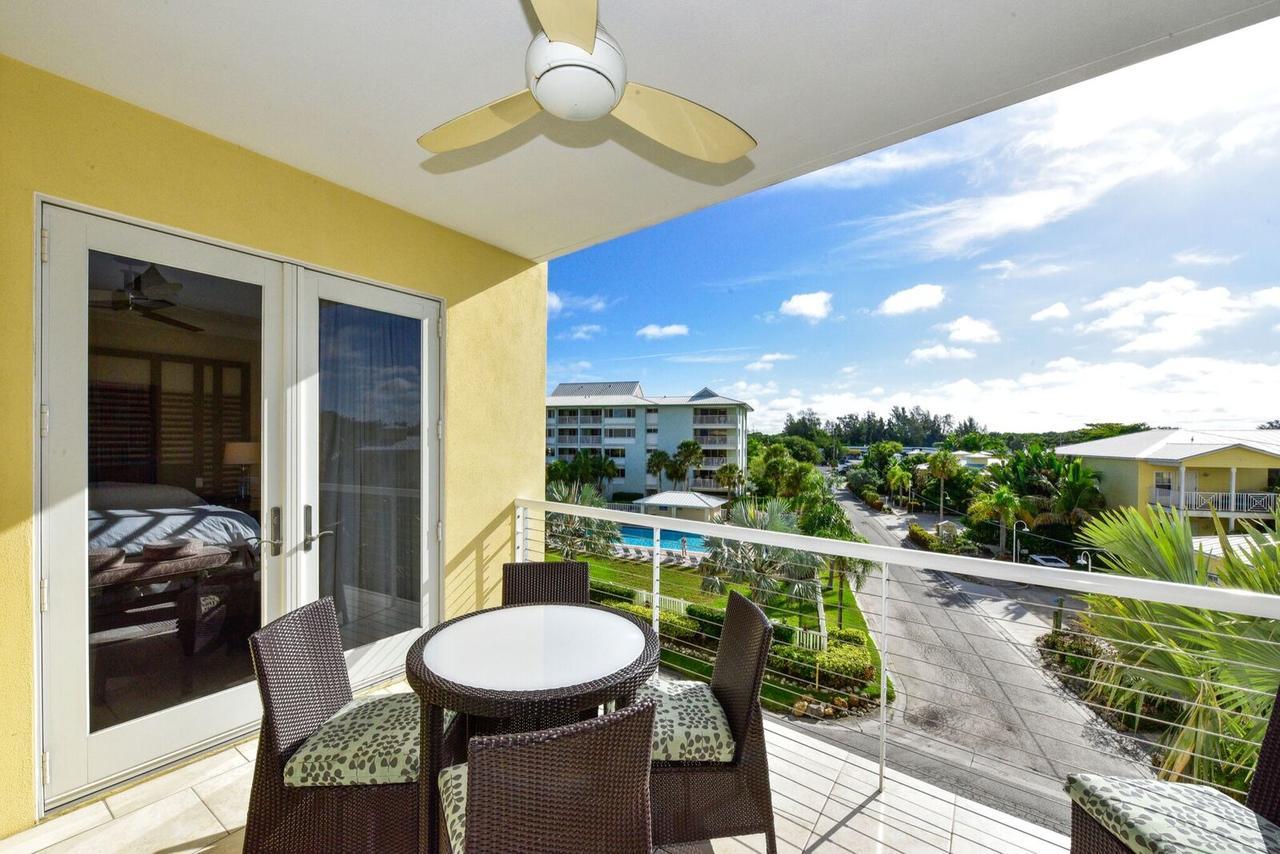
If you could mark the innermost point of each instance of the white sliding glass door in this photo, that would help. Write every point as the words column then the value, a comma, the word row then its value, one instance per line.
column 224, row 437
column 369, row 405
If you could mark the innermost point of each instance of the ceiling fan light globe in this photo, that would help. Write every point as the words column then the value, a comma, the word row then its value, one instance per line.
column 572, row 84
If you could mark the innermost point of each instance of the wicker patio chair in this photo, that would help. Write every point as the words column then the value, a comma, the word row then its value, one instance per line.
column 581, row 788
column 332, row 773
column 560, row 583
column 725, row 790
column 1200, row 818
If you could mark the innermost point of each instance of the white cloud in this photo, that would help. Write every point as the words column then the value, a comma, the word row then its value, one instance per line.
column 767, row 361
column 709, row 357
column 1181, row 112
column 916, row 298
column 939, row 352
column 558, row 303
column 849, row 370
column 811, row 307
column 584, row 331
column 1010, row 269
column 880, row 166
column 759, row 366
column 970, row 330
column 1057, row 311
column 653, row 331
column 1172, row 314
column 1203, row 259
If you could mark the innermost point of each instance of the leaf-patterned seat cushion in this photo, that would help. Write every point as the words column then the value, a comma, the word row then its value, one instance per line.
column 689, row 724
column 1154, row 817
column 453, row 802
column 369, row 741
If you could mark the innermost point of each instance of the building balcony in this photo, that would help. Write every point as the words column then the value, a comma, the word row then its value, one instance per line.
column 705, row 483
column 723, row 420
column 713, row 441
column 588, row 440
column 1260, row 504
column 590, row 419
column 567, row 419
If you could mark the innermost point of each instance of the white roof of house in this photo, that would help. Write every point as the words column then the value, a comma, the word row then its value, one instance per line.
column 683, row 500
column 1170, row 445
column 1212, row 545
column 630, row 393
column 343, row 94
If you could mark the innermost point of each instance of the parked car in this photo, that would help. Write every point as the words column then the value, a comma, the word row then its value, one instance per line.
column 1049, row 560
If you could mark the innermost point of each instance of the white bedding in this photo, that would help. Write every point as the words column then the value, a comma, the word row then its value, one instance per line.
column 130, row 515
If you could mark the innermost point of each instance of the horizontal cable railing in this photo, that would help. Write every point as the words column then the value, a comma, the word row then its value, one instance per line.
column 991, row 678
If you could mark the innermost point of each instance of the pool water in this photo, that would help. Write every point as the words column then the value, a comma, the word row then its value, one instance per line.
column 633, row 535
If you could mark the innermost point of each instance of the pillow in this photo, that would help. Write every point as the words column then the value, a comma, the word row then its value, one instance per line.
column 110, row 495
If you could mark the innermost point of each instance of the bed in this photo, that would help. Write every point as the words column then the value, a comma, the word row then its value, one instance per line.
column 128, row 516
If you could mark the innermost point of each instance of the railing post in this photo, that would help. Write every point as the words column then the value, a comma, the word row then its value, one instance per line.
column 522, row 534
column 657, row 572
column 884, row 667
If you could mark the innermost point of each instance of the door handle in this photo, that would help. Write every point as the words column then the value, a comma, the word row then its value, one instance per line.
column 276, row 540
column 307, row 537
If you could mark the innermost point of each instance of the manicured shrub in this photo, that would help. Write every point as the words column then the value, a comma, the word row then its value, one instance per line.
column 862, row 478
column 922, row 538
column 857, row 637
column 782, row 633
column 872, row 498
column 607, row 592
column 710, row 620
column 841, row 659
column 671, row 626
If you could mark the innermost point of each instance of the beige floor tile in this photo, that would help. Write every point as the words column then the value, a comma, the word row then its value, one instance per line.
column 163, row 785
column 174, row 825
column 248, row 749
column 981, row 828
column 230, row 844
column 875, row 826
column 227, row 795
column 55, row 829
column 905, row 804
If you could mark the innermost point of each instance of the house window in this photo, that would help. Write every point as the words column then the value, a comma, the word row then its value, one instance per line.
column 1164, row 480
column 615, row 453
column 651, row 431
column 620, row 432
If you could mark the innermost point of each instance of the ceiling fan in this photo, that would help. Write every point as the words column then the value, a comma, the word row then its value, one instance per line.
column 576, row 71
column 146, row 294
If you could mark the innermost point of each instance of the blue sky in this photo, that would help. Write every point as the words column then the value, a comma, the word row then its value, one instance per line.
column 1107, row 252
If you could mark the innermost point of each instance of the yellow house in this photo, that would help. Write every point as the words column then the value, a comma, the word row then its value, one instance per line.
column 259, row 347
column 1229, row 473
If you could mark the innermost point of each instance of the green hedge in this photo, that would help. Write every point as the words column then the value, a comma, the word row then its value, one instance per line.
column 782, row 633
column 857, row 637
column 710, row 620
column 606, row 592
column 670, row 625
column 922, row 538
column 872, row 498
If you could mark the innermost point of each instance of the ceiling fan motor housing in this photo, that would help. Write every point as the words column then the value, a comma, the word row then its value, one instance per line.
column 572, row 84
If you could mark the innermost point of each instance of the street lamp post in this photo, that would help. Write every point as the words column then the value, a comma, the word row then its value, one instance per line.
column 1025, row 527
column 1085, row 559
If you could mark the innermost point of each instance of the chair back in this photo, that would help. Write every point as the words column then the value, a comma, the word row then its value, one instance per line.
column 1264, row 791
column 582, row 787
column 562, row 583
column 740, row 663
column 302, row 675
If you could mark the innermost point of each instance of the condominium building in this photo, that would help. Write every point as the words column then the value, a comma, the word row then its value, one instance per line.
column 620, row 421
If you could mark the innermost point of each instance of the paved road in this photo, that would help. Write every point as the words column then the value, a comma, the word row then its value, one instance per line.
column 973, row 711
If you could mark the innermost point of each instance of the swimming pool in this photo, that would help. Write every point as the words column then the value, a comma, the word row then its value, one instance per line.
column 633, row 535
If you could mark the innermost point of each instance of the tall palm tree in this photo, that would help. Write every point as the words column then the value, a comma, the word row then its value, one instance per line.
column 730, row 478
column 572, row 535
column 656, row 465
column 1216, row 669
column 898, row 479
column 605, row 471
column 689, row 453
column 1000, row 503
column 942, row 465
column 677, row 471
column 1075, row 496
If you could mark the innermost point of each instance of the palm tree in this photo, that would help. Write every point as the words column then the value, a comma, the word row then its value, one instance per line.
column 898, row 479
column 689, row 453
column 577, row 535
column 676, row 471
column 605, row 470
column 656, row 465
column 1216, row 669
column 940, row 466
column 1000, row 503
column 730, row 477
column 1074, row 498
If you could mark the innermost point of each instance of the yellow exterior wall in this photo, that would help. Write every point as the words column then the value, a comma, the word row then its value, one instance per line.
column 1118, row 480
column 68, row 141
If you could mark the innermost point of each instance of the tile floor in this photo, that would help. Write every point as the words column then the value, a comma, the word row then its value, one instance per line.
column 825, row 800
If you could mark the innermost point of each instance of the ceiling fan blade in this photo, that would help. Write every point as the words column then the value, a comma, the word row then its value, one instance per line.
column 152, row 284
column 682, row 125
column 572, row 21
column 160, row 318
column 482, row 124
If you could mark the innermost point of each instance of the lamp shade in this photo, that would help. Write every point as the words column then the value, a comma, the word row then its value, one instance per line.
column 240, row 454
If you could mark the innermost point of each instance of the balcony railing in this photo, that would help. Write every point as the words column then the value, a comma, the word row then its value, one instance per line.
column 999, row 679
column 704, row 483
column 712, row 419
column 1262, row 503
column 588, row 440
column 589, row 419
column 712, row 441
column 568, row 419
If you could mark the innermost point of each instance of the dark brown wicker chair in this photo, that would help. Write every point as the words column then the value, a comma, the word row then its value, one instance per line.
column 303, row 681
column 694, row 801
column 1089, row 836
column 562, row 583
column 581, row 788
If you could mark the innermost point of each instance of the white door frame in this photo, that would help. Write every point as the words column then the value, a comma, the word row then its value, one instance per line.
column 43, row 201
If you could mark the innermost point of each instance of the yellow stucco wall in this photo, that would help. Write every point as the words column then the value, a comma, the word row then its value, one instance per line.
column 71, row 142
column 1118, row 480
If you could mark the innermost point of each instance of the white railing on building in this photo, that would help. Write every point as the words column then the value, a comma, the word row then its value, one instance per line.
column 712, row 419
column 589, row 419
column 1024, row 690
column 712, row 441
column 1221, row 502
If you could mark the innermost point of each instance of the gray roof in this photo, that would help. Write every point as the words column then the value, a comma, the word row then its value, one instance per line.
column 629, row 393
column 686, row 500
column 1171, row 445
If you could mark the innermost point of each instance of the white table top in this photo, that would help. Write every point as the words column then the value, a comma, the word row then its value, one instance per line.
column 534, row 647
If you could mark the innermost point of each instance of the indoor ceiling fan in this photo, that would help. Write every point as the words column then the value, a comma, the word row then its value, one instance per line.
column 145, row 294
column 576, row 71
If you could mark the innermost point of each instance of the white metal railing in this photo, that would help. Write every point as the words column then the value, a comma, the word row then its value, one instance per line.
column 588, row 440
column 712, row 441
column 589, row 419
column 704, row 483
column 1221, row 502
column 567, row 419
column 961, row 643
column 711, row 419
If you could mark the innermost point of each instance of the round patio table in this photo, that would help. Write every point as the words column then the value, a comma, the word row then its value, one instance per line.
column 517, row 669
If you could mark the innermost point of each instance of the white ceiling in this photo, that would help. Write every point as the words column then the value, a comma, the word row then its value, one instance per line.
column 342, row 89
